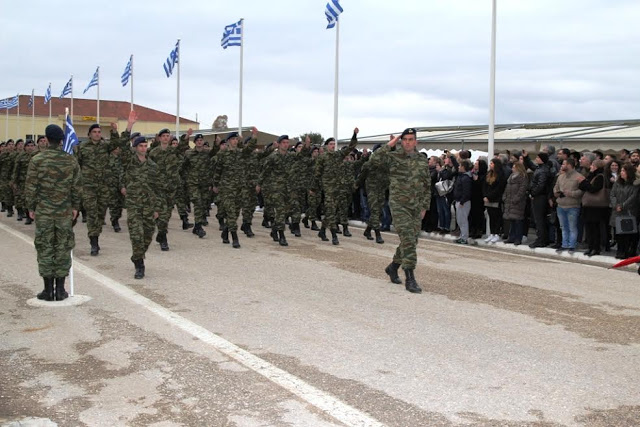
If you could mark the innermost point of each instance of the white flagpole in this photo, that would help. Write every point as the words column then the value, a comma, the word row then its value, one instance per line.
column 71, row 98
column 33, row 115
column 178, row 95
column 18, row 119
column 6, row 128
column 71, row 281
column 335, row 87
column 98, row 109
column 492, row 82
column 241, row 74
column 50, row 101
column 131, row 79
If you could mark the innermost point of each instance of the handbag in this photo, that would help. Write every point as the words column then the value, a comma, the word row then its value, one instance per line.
column 599, row 199
column 626, row 224
column 444, row 187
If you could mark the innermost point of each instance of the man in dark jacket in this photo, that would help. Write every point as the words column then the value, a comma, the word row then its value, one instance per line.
column 539, row 192
column 462, row 199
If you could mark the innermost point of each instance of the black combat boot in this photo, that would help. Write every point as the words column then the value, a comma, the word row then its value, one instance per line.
column 410, row 282
column 116, row 225
column 27, row 218
column 392, row 272
column 265, row 222
column 305, row 221
column 95, row 249
column 47, row 293
column 378, row 237
column 185, row 222
column 164, row 244
column 139, row 274
column 61, row 294
column 225, row 234
column 282, row 240
column 247, row 229
column 221, row 224
column 296, row 229
column 338, row 229
column 20, row 216
column 4, row 209
column 199, row 231
column 346, row 232
column 84, row 215
column 234, row 238
column 367, row 233
column 274, row 234
column 205, row 222
column 9, row 211
column 334, row 237
column 323, row 234
column 314, row 226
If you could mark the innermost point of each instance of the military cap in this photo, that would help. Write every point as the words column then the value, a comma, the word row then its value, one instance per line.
column 2, row 144
column 329, row 140
column 10, row 141
column 138, row 140
column 408, row 131
column 19, row 141
column 315, row 148
column 174, row 138
column 94, row 126
column 231, row 135
column 29, row 142
column 297, row 143
column 282, row 138
column 163, row 131
column 375, row 147
column 198, row 136
column 54, row 133
column 134, row 135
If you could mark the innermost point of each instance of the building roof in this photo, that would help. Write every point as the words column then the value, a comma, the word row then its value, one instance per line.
column 87, row 107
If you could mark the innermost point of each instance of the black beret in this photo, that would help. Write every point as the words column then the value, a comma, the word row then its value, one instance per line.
column 29, row 142
column 19, row 141
column 247, row 139
column 10, row 141
column 232, row 135
column 224, row 141
column 282, row 138
column 163, row 131
column 198, row 135
column 315, row 148
column 269, row 145
column 54, row 133
column 174, row 138
column 329, row 140
column 297, row 143
column 94, row 126
column 134, row 135
column 138, row 140
column 375, row 147
column 408, row 131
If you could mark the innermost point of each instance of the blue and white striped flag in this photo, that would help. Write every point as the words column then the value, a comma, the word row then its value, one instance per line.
column 70, row 137
column 30, row 104
column 232, row 35
column 67, row 88
column 8, row 103
column 47, row 94
column 128, row 70
column 172, row 60
column 333, row 10
column 94, row 80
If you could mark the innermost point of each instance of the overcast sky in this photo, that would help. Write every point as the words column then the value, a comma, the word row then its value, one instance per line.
column 402, row 63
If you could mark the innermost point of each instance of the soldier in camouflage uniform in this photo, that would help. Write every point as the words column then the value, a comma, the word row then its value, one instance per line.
column 198, row 176
column 182, row 194
column 53, row 194
column 299, row 182
column 347, row 181
column 276, row 171
column 93, row 157
column 268, row 214
column 409, row 199
column 249, row 197
column 375, row 177
column 6, row 169
column 169, row 163
column 116, row 200
column 19, row 177
column 219, row 147
column 139, row 186
column 41, row 145
column 313, row 199
column 327, row 176
column 228, row 181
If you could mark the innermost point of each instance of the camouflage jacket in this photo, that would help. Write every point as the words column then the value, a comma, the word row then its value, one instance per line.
column 231, row 166
column 169, row 163
column 409, row 177
column 7, row 160
column 93, row 158
column 197, row 166
column 301, row 169
column 329, row 166
column 276, row 171
column 114, row 173
column 20, row 167
column 53, row 186
column 374, row 176
column 140, row 180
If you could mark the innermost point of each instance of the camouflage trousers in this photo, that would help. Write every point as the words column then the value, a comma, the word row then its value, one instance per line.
column 199, row 196
column 375, row 200
column 331, row 200
column 296, row 204
column 19, row 197
column 54, row 240
column 95, row 201
column 231, row 200
column 407, row 222
column 267, row 195
column 167, row 200
column 116, row 203
column 314, row 202
column 141, row 227
column 281, row 208
column 344, row 202
column 7, row 193
column 182, row 201
column 249, row 203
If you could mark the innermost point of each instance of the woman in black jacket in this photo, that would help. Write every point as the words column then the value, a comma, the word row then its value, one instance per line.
column 476, row 221
column 595, row 205
column 493, row 188
column 462, row 199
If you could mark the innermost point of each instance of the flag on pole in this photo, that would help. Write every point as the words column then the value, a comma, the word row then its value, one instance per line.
column 93, row 82
column 70, row 137
column 333, row 10
column 232, row 35
column 67, row 88
column 30, row 104
column 172, row 60
column 8, row 103
column 47, row 94
column 127, row 72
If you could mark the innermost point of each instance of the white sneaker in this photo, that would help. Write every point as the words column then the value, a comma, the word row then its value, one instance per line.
column 495, row 239
column 488, row 239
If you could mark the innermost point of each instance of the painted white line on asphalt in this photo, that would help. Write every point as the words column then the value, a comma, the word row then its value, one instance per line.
column 321, row 400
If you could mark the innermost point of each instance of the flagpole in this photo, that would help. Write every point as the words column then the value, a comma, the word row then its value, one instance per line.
column 6, row 128
column 131, row 78
column 33, row 115
column 71, row 98
column 50, row 101
column 335, row 87
column 178, row 95
column 18, row 119
column 98, row 109
column 71, row 281
column 492, row 83
column 241, row 74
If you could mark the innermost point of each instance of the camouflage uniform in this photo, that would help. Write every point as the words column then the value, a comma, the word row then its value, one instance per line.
column 114, row 176
column 197, row 165
column 299, row 184
column 52, row 191
column 313, row 200
column 276, row 171
column 376, row 181
column 249, row 197
column 182, row 193
column 7, row 161
column 18, row 178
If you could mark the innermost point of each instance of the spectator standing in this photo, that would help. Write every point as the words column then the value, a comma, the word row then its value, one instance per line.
column 568, row 196
column 624, row 201
column 493, row 188
column 595, row 205
column 462, row 199
column 515, row 202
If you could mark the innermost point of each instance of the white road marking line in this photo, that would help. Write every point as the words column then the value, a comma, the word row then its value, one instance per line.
column 321, row 400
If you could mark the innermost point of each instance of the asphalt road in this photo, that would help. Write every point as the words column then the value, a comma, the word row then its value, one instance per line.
column 315, row 335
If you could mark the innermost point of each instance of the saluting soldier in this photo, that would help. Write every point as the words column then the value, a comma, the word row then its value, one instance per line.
column 198, row 176
column 53, row 194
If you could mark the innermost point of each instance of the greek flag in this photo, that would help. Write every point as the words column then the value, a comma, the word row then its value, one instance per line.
column 30, row 104
column 9, row 103
column 128, row 70
column 232, row 35
column 333, row 10
column 172, row 60
column 67, row 88
column 94, row 80
column 47, row 94
column 70, row 137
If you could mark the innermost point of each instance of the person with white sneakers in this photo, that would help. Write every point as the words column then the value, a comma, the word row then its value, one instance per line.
column 493, row 188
